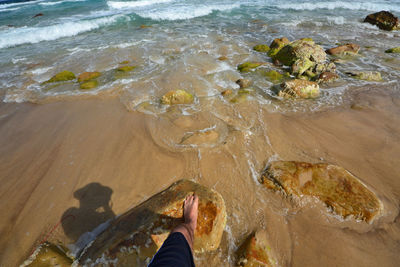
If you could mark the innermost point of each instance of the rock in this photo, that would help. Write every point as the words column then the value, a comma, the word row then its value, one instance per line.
column 373, row 76
column 124, row 62
column 200, row 137
column 261, row 48
column 140, row 231
column 48, row 255
column 276, row 45
column 273, row 76
column 243, row 83
column 247, row 66
column 384, row 20
column 145, row 26
column 256, row 252
column 393, row 50
column 242, row 95
column 86, row 76
column 177, row 97
column 277, row 63
column 227, row 92
column 38, row 15
column 331, row 184
column 126, row 68
column 89, row 85
column 327, row 77
column 299, row 89
column 346, row 49
column 222, row 58
column 61, row 77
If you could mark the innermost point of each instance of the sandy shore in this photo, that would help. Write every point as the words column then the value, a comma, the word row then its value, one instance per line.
column 94, row 159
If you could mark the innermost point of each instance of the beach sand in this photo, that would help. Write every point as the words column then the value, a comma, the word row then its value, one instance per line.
column 94, row 159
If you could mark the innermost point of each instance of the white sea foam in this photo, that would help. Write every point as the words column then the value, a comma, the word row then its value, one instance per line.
column 123, row 5
column 40, row 71
column 3, row 6
column 59, row 2
column 9, row 9
column 340, row 4
column 184, row 12
column 25, row 34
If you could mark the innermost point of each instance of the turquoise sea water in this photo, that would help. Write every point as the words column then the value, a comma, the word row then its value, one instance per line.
column 88, row 35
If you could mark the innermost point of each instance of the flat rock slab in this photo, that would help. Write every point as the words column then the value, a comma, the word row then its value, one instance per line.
column 136, row 235
column 333, row 185
column 256, row 251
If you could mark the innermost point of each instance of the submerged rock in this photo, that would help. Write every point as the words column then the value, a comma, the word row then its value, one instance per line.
column 261, row 48
column 299, row 89
column 86, row 76
column 126, row 68
column 244, row 83
column 276, row 45
column 124, row 62
column 327, row 77
column 89, row 85
column 247, row 66
column 331, row 184
column 61, row 77
column 48, row 255
column 343, row 50
column 227, row 92
column 273, row 76
column 373, row 76
column 222, row 58
column 384, row 20
column 393, row 50
column 256, row 252
column 138, row 233
column 200, row 137
column 177, row 97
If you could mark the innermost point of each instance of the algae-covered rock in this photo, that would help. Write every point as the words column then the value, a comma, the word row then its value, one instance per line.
column 227, row 92
column 140, row 231
column 126, row 68
column 276, row 45
column 331, row 184
column 384, row 20
column 273, row 76
column 48, row 255
column 244, row 83
column 247, row 66
column 61, row 77
column 256, row 251
column 177, row 97
column 242, row 95
column 89, row 85
column 393, row 50
column 299, row 89
column 327, row 77
column 343, row 50
column 124, row 62
column 373, row 76
column 86, row 76
column 261, row 48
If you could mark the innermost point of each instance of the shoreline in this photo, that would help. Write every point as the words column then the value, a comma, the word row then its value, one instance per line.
column 51, row 153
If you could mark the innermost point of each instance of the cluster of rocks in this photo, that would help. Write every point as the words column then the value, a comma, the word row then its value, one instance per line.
column 88, row 80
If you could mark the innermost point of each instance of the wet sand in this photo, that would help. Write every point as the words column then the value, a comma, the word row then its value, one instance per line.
column 94, row 159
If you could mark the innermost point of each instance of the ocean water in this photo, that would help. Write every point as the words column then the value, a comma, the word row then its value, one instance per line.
column 175, row 44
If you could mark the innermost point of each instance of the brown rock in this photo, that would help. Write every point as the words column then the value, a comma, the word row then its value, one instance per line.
column 38, row 15
column 137, row 233
column 327, row 77
column 86, row 76
column 299, row 89
column 384, row 20
column 227, row 92
column 222, row 58
column 344, row 49
column 244, row 83
column 256, row 252
column 331, row 184
column 48, row 255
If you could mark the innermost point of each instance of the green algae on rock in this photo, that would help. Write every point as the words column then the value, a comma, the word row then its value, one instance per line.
column 384, row 20
column 86, row 76
column 177, row 97
column 261, row 48
column 62, row 77
column 256, row 251
column 393, row 50
column 124, row 62
column 299, row 89
column 343, row 50
column 247, row 66
column 276, row 45
column 89, row 85
column 331, row 184
column 138, row 233
column 327, row 77
column 48, row 255
column 126, row 68
column 372, row 76
column 273, row 76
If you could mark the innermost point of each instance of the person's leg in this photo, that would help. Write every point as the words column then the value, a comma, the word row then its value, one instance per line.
column 177, row 248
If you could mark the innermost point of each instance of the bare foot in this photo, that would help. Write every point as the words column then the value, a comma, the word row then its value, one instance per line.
column 190, row 211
